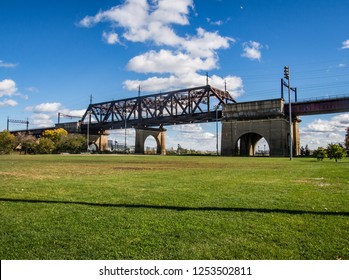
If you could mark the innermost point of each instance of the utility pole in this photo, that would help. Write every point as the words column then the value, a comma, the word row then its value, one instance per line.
column 287, row 77
column 26, row 122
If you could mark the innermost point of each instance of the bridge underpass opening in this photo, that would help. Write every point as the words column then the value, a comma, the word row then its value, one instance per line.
column 151, row 147
column 252, row 144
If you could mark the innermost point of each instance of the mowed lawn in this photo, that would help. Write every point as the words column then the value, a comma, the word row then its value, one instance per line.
column 172, row 207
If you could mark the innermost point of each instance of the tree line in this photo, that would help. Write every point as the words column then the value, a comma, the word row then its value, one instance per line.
column 52, row 141
column 60, row 141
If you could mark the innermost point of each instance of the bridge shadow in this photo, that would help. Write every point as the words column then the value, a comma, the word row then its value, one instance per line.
column 181, row 208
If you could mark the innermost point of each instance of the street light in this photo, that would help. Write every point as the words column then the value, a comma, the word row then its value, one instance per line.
column 88, row 130
column 287, row 77
column 125, row 128
column 216, row 109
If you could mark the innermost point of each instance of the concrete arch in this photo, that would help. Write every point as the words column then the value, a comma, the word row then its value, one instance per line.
column 265, row 118
column 248, row 143
column 275, row 132
column 143, row 133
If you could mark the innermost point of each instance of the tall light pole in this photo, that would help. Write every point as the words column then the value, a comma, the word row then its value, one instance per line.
column 88, row 130
column 125, row 117
column 287, row 77
column 216, row 109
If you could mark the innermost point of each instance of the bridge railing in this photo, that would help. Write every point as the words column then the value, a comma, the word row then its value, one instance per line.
column 320, row 98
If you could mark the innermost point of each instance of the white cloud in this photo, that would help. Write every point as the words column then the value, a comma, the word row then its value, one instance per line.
column 166, row 61
column 8, row 102
column 41, row 120
column 252, row 50
column 322, row 132
column 218, row 22
column 111, row 38
column 45, row 114
column 192, row 136
column 234, row 84
column 345, row 44
column 141, row 21
column 45, row 107
column 334, row 124
column 7, row 87
column 7, row 65
column 74, row 113
column 205, row 44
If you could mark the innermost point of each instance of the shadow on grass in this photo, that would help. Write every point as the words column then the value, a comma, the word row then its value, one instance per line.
column 181, row 208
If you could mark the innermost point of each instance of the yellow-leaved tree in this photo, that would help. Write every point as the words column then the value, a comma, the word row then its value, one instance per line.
column 55, row 134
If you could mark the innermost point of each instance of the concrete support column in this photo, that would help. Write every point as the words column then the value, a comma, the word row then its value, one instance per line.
column 296, row 137
column 100, row 140
column 163, row 142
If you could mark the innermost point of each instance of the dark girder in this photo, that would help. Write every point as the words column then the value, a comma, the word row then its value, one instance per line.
column 193, row 105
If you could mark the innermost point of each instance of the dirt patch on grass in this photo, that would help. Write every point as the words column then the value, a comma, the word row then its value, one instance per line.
column 31, row 176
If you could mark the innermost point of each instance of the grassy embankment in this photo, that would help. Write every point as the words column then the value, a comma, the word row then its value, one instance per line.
column 152, row 207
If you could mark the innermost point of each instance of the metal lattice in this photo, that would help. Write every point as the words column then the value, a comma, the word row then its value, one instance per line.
column 191, row 105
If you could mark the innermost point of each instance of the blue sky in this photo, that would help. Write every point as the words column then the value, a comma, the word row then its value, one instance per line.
column 55, row 54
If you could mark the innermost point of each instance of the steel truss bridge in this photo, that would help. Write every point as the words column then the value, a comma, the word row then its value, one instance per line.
column 193, row 105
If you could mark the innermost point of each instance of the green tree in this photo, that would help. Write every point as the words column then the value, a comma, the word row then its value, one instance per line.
column 71, row 143
column 7, row 142
column 320, row 153
column 45, row 146
column 336, row 151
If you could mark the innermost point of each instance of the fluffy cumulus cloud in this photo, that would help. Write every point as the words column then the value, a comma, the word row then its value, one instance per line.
column 166, row 61
column 177, row 60
column 8, row 102
column 45, row 107
column 252, row 50
column 41, row 120
column 7, row 87
column 234, row 84
column 322, row 132
column 345, row 44
column 44, row 113
column 111, row 38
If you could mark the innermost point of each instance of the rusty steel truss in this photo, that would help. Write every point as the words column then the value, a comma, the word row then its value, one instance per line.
column 193, row 105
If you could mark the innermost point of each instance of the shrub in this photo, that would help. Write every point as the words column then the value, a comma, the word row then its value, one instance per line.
column 71, row 143
column 320, row 153
column 7, row 142
column 45, row 146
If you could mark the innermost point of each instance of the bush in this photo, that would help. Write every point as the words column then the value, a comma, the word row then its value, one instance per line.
column 45, row 146
column 27, row 143
column 7, row 142
column 71, row 143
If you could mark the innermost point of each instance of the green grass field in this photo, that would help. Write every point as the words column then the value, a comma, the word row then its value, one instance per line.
column 153, row 207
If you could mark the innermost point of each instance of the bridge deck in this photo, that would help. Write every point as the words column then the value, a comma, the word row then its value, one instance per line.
column 322, row 106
